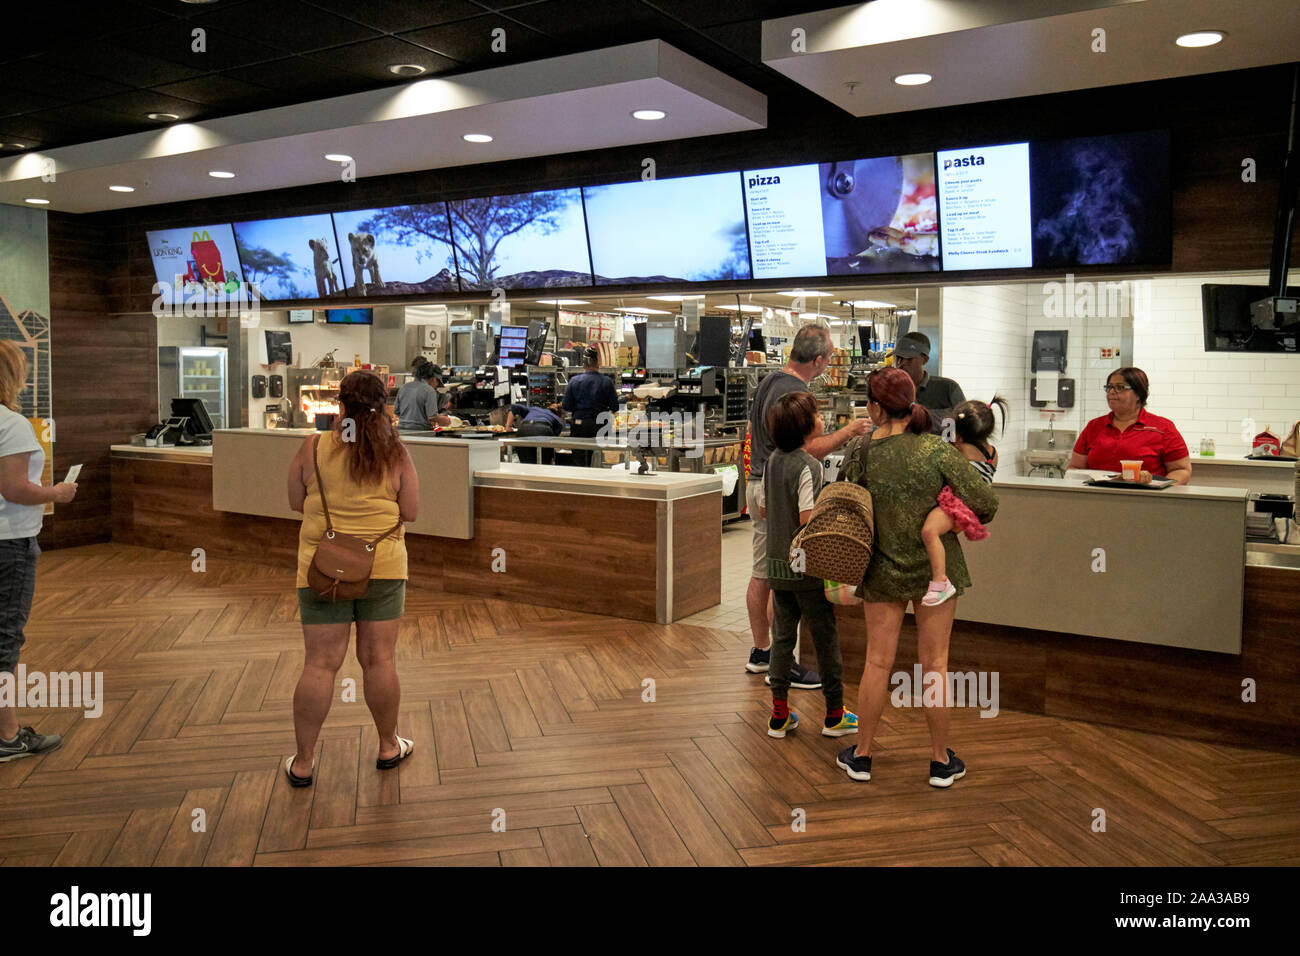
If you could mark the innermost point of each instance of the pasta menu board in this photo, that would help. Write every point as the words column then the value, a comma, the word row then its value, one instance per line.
column 525, row 241
column 858, row 217
column 197, row 264
column 1100, row 200
column 690, row 229
column 294, row 258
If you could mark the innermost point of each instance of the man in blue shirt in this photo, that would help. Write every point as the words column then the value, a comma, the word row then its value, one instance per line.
column 419, row 406
column 588, row 394
column 535, row 422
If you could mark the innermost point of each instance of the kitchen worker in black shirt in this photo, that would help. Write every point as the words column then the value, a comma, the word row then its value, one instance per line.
column 940, row 395
column 587, row 395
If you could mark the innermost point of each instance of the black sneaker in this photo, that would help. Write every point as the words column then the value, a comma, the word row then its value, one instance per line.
column 800, row 678
column 943, row 775
column 859, row 768
column 28, row 743
column 759, row 661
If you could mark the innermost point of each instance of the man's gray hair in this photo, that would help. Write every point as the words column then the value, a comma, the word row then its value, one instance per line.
column 811, row 343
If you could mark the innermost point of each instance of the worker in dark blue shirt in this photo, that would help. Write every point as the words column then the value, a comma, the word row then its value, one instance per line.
column 588, row 394
column 535, row 423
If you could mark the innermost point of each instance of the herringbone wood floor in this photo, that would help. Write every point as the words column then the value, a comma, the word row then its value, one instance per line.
column 539, row 713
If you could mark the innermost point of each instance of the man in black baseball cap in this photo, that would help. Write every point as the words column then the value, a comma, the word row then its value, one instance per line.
column 939, row 395
column 419, row 404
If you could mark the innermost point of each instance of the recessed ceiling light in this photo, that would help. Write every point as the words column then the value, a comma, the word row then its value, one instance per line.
column 477, row 138
column 644, row 311
column 221, row 174
column 406, row 69
column 805, row 292
column 1200, row 38
column 122, row 189
column 338, row 157
column 163, row 117
column 913, row 79
column 564, row 302
column 649, row 114
column 38, row 202
column 12, row 146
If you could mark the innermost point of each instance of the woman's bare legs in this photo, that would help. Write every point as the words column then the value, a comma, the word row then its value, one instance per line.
column 376, row 641
column 933, row 630
column 884, row 620
column 326, row 646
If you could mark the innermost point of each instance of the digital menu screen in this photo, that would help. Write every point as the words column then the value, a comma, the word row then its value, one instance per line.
column 197, row 264
column 984, row 201
column 514, row 345
column 399, row 250
column 293, row 258
column 855, row 217
column 690, row 229
column 525, row 241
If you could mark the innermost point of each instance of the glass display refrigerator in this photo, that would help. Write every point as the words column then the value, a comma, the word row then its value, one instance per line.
column 192, row 372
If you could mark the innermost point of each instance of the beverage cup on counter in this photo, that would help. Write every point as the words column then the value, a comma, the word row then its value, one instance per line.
column 1130, row 469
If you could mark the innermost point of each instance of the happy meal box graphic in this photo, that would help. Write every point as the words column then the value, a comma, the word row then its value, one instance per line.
column 203, row 265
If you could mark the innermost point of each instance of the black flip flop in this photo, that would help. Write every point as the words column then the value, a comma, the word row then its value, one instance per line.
column 405, row 748
column 294, row 779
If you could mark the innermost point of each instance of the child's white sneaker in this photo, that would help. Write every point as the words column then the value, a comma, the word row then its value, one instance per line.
column 939, row 592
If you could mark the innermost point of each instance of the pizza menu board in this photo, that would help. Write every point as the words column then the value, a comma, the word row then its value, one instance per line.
column 856, row 217
column 984, row 195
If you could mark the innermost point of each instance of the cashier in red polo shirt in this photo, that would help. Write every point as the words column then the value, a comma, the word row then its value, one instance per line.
column 1130, row 433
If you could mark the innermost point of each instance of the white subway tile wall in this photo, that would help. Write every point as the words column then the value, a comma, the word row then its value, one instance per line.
column 1228, row 397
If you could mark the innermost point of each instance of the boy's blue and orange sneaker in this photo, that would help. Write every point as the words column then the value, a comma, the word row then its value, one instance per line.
column 776, row 727
column 847, row 724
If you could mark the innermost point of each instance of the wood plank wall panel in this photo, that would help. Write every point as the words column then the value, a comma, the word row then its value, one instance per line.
column 1217, row 120
column 697, row 554
column 1143, row 687
column 104, row 377
column 553, row 557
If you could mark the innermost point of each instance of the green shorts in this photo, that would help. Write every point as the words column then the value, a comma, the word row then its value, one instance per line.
column 384, row 600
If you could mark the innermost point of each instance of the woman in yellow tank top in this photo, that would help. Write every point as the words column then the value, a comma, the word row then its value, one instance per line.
column 370, row 485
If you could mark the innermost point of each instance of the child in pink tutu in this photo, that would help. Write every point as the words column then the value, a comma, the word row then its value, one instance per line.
column 973, row 426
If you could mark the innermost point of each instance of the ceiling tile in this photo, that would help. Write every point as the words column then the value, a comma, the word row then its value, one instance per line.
column 397, row 16
column 372, row 58
column 215, row 90
column 138, row 104
column 40, row 76
column 105, row 61
column 607, row 22
column 222, row 51
column 297, row 79
column 470, row 41
column 14, row 101
column 289, row 24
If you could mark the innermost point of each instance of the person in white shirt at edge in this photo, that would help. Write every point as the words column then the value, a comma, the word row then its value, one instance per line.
column 810, row 354
column 22, row 509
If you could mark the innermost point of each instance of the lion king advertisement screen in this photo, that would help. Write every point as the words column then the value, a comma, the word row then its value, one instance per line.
column 197, row 264
column 293, row 258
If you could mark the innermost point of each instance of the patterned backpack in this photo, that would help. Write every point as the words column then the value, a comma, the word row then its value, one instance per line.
column 836, row 542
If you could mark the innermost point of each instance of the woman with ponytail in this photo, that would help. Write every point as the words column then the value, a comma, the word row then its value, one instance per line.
column 370, row 486
column 905, row 467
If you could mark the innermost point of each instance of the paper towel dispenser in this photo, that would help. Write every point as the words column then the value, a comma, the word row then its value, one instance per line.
column 1049, row 389
column 1049, row 351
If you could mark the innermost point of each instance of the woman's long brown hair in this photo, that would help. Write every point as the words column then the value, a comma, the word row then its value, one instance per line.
column 377, row 449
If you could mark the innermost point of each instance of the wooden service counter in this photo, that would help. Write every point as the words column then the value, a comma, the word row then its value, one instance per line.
column 1160, row 641
column 604, row 542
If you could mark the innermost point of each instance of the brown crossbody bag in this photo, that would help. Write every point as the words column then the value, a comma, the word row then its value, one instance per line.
column 340, row 570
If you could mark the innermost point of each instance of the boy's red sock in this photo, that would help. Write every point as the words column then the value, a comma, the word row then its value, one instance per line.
column 780, row 709
column 833, row 717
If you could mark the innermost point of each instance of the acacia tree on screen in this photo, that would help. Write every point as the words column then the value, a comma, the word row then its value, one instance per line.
column 423, row 225
column 262, row 265
column 480, row 225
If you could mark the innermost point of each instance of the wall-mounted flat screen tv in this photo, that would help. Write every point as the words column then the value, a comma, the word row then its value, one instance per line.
column 525, row 241
column 293, row 258
column 690, row 229
column 400, row 250
column 197, row 264
column 856, row 217
column 1097, row 200
column 350, row 316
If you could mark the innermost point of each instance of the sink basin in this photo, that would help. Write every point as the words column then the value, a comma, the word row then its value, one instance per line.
column 1036, row 439
column 1047, row 457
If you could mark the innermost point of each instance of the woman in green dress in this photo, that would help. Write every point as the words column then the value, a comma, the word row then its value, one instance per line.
column 905, row 467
